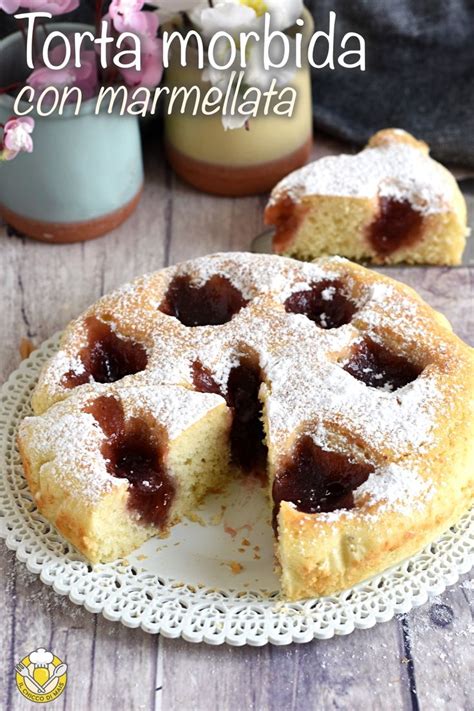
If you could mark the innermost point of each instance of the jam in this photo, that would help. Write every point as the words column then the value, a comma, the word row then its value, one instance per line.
column 203, row 381
column 317, row 481
column 135, row 452
column 247, row 435
column 248, row 450
column 212, row 304
column 107, row 357
column 286, row 217
column 377, row 367
column 324, row 303
column 397, row 225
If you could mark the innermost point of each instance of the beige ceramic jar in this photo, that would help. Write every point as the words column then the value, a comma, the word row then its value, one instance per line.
column 239, row 161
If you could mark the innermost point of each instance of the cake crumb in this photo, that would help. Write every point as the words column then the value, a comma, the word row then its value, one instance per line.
column 26, row 348
column 216, row 520
column 235, row 567
column 196, row 518
column 234, row 531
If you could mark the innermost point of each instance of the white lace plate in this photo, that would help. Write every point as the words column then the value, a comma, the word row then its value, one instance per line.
column 211, row 580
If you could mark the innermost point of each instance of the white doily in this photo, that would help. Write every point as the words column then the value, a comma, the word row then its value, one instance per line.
column 202, row 608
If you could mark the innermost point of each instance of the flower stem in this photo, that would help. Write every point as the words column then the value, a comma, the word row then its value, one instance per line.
column 10, row 87
column 99, row 6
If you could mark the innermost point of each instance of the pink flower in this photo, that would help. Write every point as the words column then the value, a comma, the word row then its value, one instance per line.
column 84, row 77
column 126, row 15
column 55, row 7
column 17, row 137
column 9, row 6
column 152, row 67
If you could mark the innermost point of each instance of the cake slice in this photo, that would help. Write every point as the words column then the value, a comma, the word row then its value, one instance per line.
column 390, row 203
column 111, row 468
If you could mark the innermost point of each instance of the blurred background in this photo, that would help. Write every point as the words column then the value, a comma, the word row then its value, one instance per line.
column 420, row 71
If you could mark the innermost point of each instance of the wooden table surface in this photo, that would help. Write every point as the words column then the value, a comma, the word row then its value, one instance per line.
column 422, row 660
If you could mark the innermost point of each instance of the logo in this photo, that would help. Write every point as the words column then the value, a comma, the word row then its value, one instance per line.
column 41, row 676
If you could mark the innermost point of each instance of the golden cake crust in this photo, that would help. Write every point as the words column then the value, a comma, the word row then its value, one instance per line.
column 417, row 439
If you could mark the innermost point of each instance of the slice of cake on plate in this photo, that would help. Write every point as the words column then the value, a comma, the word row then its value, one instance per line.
column 390, row 203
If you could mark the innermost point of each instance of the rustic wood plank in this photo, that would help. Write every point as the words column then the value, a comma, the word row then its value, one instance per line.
column 42, row 287
column 110, row 666
column 357, row 672
column 439, row 636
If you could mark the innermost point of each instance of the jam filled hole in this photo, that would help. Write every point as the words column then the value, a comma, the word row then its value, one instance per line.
column 324, row 303
column 397, row 225
column 248, row 450
column 286, row 216
column 107, row 357
column 135, row 452
column 212, row 304
column 315, row 480
column 377, row 367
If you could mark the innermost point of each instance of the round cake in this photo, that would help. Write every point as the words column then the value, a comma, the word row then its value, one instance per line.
column 349, row 393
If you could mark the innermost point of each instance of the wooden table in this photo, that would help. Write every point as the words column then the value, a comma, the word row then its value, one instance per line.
column 419, row 660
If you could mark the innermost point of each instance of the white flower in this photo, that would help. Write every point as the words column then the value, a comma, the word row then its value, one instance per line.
column 236, row 16
column 283, row 13
column 170, row 8
column 256, row 74
column 228, row 15
column 233, row 121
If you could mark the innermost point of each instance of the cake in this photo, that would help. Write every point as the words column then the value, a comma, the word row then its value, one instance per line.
column 390, row 203
column 342, row 386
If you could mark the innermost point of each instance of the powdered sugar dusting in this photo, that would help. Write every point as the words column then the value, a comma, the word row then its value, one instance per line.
column 395, row 487
column 67, row 442
column 393, row 170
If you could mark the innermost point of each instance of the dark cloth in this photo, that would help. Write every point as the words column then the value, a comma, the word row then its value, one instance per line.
column 419, row 75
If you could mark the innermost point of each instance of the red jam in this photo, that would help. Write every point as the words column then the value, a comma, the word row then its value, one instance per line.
column 203, row 381
column 107, row 357
column 286, row 216
column 246, row 436
column 377, row 367
column 397, row 225
column 324, row 303
column 212, row 304
column 135, row 452
column 318, row 481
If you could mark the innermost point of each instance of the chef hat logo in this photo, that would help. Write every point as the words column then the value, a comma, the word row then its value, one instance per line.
column 41, row 656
